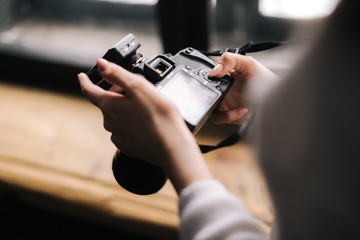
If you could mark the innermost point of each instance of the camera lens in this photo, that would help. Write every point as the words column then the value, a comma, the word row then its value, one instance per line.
column 136, row 175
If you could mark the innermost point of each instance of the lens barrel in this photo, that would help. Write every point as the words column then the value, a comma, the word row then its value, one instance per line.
column 136, row 175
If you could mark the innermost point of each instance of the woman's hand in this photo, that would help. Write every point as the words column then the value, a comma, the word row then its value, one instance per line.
column 137, row 115
column 145, row 124
column 251, row 80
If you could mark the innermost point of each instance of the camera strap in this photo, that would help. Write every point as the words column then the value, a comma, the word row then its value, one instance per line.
column 250, row 47
column 239, row 135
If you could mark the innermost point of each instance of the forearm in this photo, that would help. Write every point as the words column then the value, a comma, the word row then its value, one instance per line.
column 185, row 163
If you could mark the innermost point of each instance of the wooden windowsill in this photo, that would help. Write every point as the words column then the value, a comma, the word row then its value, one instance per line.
column 55, row 152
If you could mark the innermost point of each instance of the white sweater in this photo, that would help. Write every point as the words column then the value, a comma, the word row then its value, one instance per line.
column 209, row 211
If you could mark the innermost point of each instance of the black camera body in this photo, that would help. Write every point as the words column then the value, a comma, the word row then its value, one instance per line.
column 183, row 78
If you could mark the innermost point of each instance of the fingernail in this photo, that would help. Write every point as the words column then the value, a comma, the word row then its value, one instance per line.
column 80, row 75
column 101, row 64
column 241, row 112
column 216, row 70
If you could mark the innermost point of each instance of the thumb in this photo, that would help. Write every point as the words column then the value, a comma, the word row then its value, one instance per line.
column 235, row 116
column 230, row 62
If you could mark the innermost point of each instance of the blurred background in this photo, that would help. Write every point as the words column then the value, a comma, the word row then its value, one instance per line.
column 42, row 37
column 44, row 44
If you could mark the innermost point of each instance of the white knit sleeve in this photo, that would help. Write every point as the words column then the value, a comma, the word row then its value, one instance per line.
column 209, row 211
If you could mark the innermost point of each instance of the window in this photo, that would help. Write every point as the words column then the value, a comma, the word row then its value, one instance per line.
column 297, row 9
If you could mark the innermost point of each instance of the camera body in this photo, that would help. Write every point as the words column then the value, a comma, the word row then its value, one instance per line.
column 184, row 79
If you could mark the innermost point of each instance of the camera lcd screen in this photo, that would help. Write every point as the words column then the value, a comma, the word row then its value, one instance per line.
column 193, row 98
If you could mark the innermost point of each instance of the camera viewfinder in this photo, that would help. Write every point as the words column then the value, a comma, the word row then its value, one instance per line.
column 158, row 68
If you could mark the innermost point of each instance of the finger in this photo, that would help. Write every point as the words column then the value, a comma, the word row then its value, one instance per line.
column 216, row 70
column 119, row 76
column 117, row 89
column 232, row 116
column 91, row 91
column 223, row 107
column 229, row 62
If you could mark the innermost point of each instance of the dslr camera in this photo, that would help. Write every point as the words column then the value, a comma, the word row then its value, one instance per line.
column 184, row 79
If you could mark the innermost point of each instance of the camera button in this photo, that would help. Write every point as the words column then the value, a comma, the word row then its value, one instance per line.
column 189, row 50
column 205, row 73
column 208, row 79
column 218, row 88
column 214, row 80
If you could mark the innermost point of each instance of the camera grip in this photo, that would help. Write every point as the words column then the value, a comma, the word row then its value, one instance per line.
column 136, row 175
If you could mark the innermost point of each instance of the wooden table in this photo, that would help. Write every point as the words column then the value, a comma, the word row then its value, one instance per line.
column 55, row 153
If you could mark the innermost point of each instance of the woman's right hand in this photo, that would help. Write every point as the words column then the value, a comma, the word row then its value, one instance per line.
column 251, row 80
column 146, row 124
